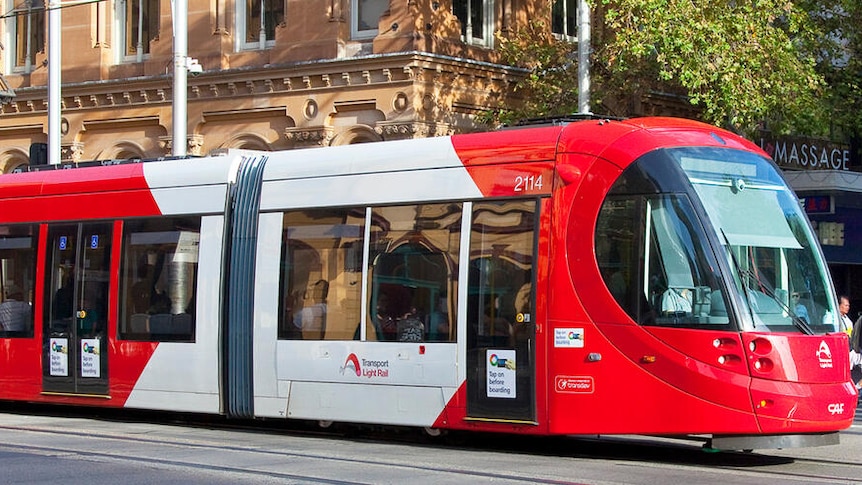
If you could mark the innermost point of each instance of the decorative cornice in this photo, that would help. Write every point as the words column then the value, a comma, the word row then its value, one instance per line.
column 194, row 145
column 309, row 137
column 306, row 78
column 71, row 152
column 411, row 129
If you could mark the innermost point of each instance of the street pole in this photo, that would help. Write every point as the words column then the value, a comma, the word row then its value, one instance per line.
column 583, row 57
column 54, row 107
column 180, row 99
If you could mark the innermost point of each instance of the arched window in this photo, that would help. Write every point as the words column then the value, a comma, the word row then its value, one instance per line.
column 12, row 160
column 248, row 142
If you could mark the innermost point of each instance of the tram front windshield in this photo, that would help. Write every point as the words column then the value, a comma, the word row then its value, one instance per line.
column 777, row 266
column 672, row 217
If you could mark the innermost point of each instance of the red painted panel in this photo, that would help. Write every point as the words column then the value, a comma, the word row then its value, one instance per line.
column 510, row 146
column 593, row 137
column 514, row 180
column 786, row 407
column 76, row 194
column 510, row 163
column 20, row 368
column 618, row 396
column 77, row 207
column 21, row 358
column 798, row 357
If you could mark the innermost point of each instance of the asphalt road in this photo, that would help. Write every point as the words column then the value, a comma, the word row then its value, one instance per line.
column 50, row 449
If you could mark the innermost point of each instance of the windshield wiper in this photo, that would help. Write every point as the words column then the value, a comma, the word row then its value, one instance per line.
column 767, row 290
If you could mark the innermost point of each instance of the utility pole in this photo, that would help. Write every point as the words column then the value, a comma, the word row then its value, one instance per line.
column 583, row 57
column 54, row 80
column 179, row 117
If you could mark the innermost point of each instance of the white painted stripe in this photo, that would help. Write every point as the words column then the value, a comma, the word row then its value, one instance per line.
column 266, row 300
column 406, row 155
column 367, row 403
column 377, row 188
column 181, row 373
column 207, row 199
column 191, row 172
column 192, row 186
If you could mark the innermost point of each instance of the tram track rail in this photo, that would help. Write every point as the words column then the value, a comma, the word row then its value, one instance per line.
column 220, row 446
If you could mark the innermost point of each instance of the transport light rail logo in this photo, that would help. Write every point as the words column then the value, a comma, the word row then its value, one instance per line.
column 371, row 369
column 824, row 355
column 352, row 362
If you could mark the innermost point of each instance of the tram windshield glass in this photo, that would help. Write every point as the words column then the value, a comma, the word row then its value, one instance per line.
column 659, row 254
column 777, row 265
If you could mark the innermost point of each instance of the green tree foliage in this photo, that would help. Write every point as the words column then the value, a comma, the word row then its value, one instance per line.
column 743, row 64
column 551, row 85
column 740, row 61
column 840, row 62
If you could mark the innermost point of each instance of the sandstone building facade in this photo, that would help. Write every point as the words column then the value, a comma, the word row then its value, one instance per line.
column 276, row 74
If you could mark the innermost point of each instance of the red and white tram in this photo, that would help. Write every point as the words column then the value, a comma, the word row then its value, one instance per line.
column 649, row 276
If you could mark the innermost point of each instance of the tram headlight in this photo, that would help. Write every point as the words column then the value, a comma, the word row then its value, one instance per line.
column 763, row 365
column 760, row 346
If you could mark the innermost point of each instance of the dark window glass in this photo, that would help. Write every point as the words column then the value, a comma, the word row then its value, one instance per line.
column 321, row 272
column 414, row 272
column 159, row 279
column 17, row 279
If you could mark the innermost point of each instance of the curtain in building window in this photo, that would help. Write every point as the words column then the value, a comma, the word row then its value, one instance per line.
column 266, row 13
column 142, row 25
column 29, row 31
column 564, row 17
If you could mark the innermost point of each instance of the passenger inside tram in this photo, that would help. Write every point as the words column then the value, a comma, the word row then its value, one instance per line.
column 15, row 313
column 312, row 317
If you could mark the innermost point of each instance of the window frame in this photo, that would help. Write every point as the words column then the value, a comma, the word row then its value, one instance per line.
column 130, row 277
column 242, row 26
column 382, row 257
column 487, row 21
column 364, row 34
column 124, row 31
column 14, row 37
column 28, row 289
column 565, row 34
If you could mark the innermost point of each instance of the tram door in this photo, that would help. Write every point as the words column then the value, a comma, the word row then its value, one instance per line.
column 501, row 332
column 77, row 276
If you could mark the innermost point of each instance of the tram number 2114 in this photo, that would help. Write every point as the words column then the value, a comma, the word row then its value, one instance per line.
column 528, row 183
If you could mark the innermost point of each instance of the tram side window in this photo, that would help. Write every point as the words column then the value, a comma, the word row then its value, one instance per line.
column 617, row 247
column 414, row 272
column 17, row 279
column 159, row 279
column 652, row 255
column 321, row 274
column 502, row 245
